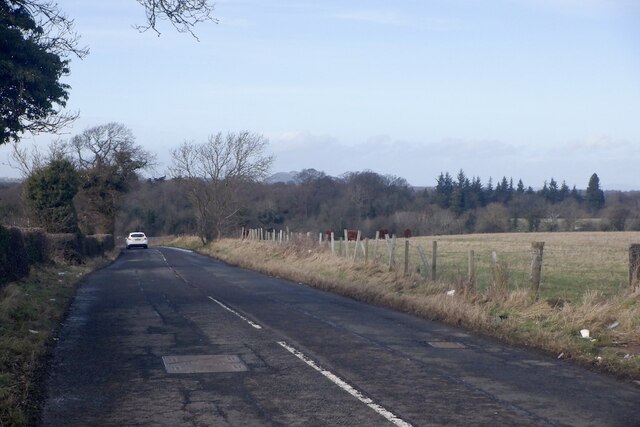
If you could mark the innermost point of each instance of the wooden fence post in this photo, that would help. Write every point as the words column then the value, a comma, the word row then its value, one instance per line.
column 634, row 267
column 391, row 249
column 406, row 257
column 355, row 251
column 536, row 267
column 434, row 257
column 472, row 270
column 333, row 244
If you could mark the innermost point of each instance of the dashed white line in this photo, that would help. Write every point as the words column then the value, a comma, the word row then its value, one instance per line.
column 255, row 325
column 346, row 387
column 178, row 249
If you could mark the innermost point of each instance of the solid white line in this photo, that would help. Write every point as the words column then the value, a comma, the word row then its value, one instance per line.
column 346, row 387
column 255, row 325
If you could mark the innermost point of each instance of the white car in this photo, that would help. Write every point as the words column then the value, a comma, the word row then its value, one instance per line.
column 137, row 239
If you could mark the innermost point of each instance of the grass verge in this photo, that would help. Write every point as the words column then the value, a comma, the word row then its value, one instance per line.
column 551, row 325
column 31, row 311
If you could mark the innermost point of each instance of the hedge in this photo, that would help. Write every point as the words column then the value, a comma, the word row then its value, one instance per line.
column 22, row 248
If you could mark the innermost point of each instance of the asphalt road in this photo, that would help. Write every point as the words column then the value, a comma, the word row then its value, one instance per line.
column 168, row 337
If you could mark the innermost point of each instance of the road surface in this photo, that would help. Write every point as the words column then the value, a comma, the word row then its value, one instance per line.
column 168, row 337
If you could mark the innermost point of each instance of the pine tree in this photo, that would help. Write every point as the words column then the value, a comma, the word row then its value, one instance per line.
column 594, row 196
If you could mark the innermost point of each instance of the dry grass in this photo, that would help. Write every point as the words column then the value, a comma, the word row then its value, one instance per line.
column 30, row 314
column 498, row 309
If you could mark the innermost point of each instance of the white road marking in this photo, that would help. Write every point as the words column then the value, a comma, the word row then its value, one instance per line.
column 346, row 387
column 178, row 249
column 255, row 325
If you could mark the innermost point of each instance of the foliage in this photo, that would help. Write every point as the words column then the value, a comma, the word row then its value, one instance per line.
column 36, row 42
column 49, row 193
column 37, row 246
column 13, row 255
column 108, row 161
column 594, row 195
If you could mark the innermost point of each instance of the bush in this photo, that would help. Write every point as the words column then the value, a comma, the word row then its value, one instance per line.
column 13, row 255
column 66, row 247
column 37, row 246
column 97, row 245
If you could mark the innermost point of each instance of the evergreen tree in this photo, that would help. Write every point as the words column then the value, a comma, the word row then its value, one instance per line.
column 49, row 193
column 444, row 189
column 594, row 196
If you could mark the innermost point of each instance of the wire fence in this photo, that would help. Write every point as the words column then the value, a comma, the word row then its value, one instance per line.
column 565, row 266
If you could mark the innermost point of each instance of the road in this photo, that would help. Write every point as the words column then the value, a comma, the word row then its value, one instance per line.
column 168, row 337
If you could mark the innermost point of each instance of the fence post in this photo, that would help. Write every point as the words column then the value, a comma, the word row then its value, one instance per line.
column 434, row 257
column 406, row 257
column 536, row 267
column 355, row 251
column 472, row 270
column 333, row 244
column 634, row 267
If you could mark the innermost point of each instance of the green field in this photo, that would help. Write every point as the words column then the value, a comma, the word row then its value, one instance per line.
column 573, row 262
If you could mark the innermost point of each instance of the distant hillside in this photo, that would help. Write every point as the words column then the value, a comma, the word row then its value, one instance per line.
column 285, row 177
column 5, row 180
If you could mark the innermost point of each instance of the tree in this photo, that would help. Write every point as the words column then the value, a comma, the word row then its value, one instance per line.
column 214, row 173
column 594, row 196
column 36, row 43
column 182, row 14
column 108, row 161
column 49, row 193
column 444, row 189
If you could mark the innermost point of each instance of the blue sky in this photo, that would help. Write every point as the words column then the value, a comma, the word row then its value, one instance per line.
column 529, row 89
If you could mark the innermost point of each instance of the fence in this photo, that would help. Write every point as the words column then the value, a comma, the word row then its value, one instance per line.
column 565, row 266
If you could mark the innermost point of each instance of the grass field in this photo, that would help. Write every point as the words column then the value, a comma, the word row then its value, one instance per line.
column 573, row 263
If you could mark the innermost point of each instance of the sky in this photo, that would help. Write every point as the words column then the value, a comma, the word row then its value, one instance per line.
column 528, row 89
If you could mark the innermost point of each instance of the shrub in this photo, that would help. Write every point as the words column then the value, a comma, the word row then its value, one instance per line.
column 13, row 255
column 37, row 246
column 66, row 247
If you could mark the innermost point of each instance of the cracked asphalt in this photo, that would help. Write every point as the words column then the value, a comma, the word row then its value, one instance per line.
column 307, row 358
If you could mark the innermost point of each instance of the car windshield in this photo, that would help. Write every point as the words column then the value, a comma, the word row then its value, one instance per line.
column 136, row 235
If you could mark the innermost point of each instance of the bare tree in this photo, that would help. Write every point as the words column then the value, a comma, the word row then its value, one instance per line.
column 213, row 174
column 27, row 160
column 182, row 14
column 108, row 161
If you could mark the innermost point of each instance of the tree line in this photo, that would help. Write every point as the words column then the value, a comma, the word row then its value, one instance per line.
column 92, row 184
column 365, row 200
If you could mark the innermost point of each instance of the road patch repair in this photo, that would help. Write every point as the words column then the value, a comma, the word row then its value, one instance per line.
column 446, row 344
column 202, row 364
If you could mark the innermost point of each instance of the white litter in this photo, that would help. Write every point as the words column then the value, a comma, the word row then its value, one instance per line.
column 33, row 332
column 451, row 292
column 584, row 333
column 613, row 325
